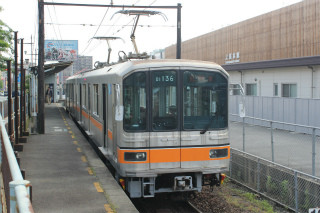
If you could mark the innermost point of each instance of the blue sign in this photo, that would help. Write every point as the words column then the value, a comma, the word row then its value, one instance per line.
column 60, row 50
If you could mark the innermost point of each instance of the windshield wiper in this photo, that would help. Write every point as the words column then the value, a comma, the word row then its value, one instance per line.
column 208, row 126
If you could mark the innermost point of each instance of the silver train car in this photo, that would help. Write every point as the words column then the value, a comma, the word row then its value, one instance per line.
column 162, row 124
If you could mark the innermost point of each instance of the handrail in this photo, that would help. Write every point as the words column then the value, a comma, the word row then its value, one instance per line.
column 278, row 122
column 13, row 163
column 18, row 186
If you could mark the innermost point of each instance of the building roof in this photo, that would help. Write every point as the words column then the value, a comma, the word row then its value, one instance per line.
column 50, row 69
column 290, row 62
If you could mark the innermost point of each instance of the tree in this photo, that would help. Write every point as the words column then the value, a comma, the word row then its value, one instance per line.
column 6, row 49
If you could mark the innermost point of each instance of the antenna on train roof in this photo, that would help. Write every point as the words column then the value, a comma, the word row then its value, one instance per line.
column 139, row 13
column 108, row 39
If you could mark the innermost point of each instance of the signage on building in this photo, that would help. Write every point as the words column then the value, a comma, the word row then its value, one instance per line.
column 232, row 58
column 60, row 50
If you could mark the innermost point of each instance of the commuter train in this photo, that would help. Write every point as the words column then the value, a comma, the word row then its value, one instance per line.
column 162, row 124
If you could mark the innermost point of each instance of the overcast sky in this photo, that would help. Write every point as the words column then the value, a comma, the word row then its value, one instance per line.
column 82, row 23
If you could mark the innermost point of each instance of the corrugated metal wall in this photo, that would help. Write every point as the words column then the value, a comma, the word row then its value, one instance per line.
column 288, row 110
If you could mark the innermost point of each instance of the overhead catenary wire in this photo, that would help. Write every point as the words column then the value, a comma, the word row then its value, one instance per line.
column 132, row 20
column 54, row 29
column 90, row 40
column 103, row 24
column 108, row 25
column 55, row 13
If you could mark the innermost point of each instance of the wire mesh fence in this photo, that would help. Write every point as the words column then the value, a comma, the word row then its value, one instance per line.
column 269, row 140
column 295, row 190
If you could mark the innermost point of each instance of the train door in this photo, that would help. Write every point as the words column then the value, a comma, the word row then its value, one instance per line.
column 165, row 145
column 104, row 111
column 69, row 96
column 80, row 102
column 75, row 100
column 89, row 108
column 115, row 91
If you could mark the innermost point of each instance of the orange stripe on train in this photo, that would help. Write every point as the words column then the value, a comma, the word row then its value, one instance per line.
column 110, row 134
column 85, row 114
column 167, row 155
column 200, row 154
column 96, row 123
column 93, row 121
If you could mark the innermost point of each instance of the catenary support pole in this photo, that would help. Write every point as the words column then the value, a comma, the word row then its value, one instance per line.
column 178, row 32
column 10, row 130
column 40, row 121
column 21, row 87
column 16, row 91
column 23, row 81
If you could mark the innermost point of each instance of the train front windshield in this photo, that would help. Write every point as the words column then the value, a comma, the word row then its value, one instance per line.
column 178, row 100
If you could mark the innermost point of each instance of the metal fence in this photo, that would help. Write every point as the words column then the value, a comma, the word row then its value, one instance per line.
column 299, row 151
column 295, row 190
column 16, row 189
column 287, row 110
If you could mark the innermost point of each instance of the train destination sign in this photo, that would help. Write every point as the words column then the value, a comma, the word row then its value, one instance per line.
column 167, row 78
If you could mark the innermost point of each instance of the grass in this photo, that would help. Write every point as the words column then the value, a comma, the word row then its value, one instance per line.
column 246, row 201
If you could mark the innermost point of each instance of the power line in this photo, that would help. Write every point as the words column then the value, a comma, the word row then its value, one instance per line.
column 55, row 13
column 107, row 31
column 90, row 40
column 107, row 25
column 54, row 29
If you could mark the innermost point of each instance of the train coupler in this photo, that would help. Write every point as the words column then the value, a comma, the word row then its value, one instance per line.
column 182, row 183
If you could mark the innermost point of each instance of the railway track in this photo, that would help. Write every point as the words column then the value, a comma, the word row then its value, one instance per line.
column 163, row 204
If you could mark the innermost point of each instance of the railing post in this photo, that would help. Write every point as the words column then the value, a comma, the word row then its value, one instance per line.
column 230, row 164
column 272, row 145
column 243, row 136
column 1, row 149
column 24, row 197
column 258, row 175
column 313, row 151
column 13, row 199
column 296, row 190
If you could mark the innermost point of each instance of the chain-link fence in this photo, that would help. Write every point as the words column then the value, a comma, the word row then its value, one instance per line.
column 279, row 142
column 298, row 191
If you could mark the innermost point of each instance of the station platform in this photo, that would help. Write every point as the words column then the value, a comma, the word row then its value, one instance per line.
column 65, row 172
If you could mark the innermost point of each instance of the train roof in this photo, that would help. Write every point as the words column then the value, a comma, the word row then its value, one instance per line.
column 122, row 69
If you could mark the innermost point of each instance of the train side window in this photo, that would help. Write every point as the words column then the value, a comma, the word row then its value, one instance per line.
column 84, row 96
column 95, row 99
column 134, row 102
column 164, row 100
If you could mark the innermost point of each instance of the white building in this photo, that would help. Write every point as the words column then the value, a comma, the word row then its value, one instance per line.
column 294, row 77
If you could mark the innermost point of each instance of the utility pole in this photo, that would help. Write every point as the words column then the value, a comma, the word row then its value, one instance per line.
column 16, row 102
column 21, row 90
column 40, row 122
column 9, row 100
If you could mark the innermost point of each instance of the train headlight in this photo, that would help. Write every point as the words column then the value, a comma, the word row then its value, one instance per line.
column 218, row 153
column 135, row 156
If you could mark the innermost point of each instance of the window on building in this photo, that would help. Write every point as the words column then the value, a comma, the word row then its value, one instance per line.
column 289, row 90
column 95, row 99
column 251, row 89
column 235, row 89
column 275, row 89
